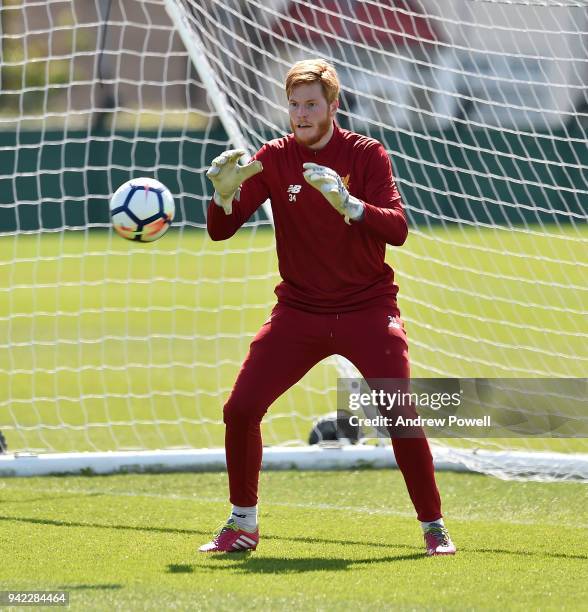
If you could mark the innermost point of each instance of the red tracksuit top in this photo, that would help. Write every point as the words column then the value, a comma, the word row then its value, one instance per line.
column 326, row 265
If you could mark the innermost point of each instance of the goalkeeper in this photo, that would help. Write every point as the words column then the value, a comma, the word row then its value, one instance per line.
column 335, row 206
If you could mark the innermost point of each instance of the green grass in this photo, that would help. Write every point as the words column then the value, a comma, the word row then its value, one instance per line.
column 331, row 541
column 111, row 344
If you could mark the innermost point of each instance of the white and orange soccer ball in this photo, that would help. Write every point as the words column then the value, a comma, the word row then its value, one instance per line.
column 142, row 209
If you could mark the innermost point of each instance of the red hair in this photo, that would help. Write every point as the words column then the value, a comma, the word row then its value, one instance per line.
column 311, row 71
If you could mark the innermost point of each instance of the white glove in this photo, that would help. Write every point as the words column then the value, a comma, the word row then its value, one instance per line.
column 226, row 175
column 329, row 183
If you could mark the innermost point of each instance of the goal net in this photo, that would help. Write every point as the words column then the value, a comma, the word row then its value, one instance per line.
column 110, row 345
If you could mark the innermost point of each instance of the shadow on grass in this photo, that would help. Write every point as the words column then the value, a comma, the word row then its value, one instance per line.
column 180, row 568
column 57, row 523
column 89, row 587
column 42, row 499
column 250, row 564
column 309, row 540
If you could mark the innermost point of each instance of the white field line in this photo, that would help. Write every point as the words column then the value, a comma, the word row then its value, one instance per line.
column 305, row 506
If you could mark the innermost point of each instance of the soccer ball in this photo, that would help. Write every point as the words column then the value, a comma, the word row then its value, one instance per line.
column 142, row 209
column 334, row 426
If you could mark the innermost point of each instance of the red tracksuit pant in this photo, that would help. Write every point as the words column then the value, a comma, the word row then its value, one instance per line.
column 286, row 347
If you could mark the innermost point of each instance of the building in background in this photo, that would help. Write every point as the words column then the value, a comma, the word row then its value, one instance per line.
column 418, row 64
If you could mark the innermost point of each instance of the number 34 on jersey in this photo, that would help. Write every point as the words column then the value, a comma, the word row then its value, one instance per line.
column 293, row 191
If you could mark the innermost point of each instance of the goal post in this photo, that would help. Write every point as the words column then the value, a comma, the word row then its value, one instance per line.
column 120, row 355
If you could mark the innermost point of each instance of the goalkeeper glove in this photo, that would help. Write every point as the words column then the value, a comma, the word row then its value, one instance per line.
column 330, row 184
column 226, row 175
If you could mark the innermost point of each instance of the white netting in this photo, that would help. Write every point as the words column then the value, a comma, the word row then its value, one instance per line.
column 111, row 345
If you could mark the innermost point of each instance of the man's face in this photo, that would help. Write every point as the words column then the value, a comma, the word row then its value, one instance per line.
column 311, row 115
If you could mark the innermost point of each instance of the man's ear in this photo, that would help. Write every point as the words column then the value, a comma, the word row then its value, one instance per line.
column 334, row 107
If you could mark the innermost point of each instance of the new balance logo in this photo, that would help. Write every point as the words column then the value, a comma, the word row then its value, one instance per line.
column 292, row 191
